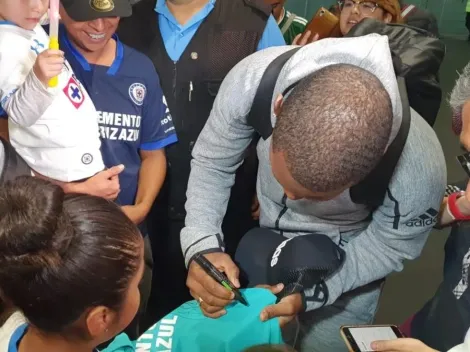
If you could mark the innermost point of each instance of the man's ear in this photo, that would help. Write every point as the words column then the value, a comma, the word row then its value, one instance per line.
column 278, row 105
column 99, row 320
column 388, row 17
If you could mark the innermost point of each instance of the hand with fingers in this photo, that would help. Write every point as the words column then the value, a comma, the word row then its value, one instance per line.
column 212, row 297
column 287, row 308
column 105, row 183
column 255, row 208
column 48, row 64
column 305, row 38
column 401, row 345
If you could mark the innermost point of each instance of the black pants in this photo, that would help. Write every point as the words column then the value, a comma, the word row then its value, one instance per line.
column 169, row 288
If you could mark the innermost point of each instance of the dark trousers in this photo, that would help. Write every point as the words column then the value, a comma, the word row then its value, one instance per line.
column 169, row 288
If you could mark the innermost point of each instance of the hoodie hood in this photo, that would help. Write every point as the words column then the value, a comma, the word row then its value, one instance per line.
column 370, row 52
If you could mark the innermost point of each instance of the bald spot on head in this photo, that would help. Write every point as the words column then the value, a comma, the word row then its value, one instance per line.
column 334, row 127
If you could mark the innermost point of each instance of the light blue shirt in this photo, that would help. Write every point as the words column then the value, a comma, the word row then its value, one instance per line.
column 177, row 37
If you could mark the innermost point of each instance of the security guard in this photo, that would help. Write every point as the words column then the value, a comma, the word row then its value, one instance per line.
column 193, row 45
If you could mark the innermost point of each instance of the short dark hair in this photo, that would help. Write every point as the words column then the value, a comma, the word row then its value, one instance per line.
column 62, row 254
column 334, row 127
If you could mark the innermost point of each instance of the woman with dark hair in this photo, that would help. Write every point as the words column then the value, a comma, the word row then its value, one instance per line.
column 353, row 12
column 70, row 265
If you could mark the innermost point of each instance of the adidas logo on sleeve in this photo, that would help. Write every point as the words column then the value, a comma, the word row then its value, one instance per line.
column 429, row 218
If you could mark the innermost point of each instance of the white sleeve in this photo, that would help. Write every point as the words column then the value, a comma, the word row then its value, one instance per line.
column 22, row 96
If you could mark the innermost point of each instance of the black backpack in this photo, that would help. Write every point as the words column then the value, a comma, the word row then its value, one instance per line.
column 372, row 190
column 417, row 56
column 13, row 165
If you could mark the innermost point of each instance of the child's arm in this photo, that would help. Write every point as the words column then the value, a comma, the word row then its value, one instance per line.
column 151, row 177
column 25, row 101
column 157, row 132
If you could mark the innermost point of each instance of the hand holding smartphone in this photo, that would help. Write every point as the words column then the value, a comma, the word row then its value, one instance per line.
column 359, row 338
column 324, row 24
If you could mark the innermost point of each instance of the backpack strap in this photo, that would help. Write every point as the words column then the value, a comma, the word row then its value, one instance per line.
column 260, row 114
column 14, row 165
column 407, row 10
column 371, row 191
column 289, row 21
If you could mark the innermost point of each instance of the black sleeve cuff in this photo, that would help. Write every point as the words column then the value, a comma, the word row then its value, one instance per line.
column 207, row 251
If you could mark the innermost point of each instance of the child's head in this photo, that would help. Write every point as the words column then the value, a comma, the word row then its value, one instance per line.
column 70, row 263
column 23, row 13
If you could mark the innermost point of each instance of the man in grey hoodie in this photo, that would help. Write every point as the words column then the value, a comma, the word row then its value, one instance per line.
column 329, row 133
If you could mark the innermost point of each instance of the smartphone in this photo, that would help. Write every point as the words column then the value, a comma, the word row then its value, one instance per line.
column 325, row 24
column 358, row 338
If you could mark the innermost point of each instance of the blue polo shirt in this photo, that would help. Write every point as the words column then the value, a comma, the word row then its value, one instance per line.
column 132, row 111
column 177, row 37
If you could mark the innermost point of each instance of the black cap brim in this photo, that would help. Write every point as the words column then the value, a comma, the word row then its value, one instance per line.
column 89, row 10
column 266, row 257
column 254, row 253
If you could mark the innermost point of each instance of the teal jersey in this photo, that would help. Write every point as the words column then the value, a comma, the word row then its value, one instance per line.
column 186, row 329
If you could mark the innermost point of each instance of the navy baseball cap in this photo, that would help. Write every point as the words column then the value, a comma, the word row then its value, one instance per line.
column 89, row 10
column 268, row 258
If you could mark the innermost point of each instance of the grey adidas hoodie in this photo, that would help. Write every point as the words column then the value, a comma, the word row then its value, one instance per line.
column 374, row 248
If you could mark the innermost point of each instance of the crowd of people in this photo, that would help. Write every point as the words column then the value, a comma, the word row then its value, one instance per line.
column 186, row 128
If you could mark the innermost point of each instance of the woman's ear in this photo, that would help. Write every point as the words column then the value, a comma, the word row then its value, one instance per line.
column 388, row 17
column 465, row 134
column 278, row 105
column 99, row 320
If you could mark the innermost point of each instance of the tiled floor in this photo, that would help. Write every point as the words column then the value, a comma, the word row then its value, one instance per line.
column 407, row 291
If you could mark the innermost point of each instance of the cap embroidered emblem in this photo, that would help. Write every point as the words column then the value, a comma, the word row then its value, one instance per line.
column 102, row 5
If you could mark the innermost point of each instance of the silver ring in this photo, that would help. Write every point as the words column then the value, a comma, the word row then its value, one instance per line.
column 200, row 300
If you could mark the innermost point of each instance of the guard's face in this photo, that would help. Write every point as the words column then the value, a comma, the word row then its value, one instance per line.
column 277, row 6
column 90, row 36
column 23, row 13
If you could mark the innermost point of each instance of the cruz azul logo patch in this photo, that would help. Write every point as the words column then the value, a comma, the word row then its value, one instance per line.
column 73, row 91
column 102, row 5
column 137, row 92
